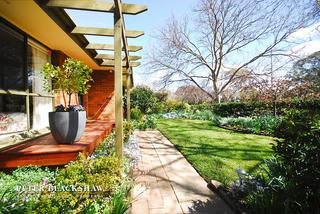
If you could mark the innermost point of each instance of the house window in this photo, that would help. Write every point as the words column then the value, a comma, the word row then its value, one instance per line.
column 39, row 106
column 13, row 116
column 23, row 103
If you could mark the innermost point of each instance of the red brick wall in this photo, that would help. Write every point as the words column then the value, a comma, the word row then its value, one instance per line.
column 99, row 96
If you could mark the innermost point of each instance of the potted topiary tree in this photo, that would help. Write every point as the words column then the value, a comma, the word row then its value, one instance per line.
column 68, row 122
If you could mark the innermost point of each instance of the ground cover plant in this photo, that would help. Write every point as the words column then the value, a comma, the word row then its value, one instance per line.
column 214, row 152
column 266, row 125
column 92, row 184
column 289, row 182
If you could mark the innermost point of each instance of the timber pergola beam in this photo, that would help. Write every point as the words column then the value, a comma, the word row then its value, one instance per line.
column 112, row 63
column 104, row 32
column 93, row 5
column 111, row 57
column 122, row 63
column 110, row 47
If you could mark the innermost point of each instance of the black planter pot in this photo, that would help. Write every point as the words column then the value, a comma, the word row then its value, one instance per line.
column 67, row 127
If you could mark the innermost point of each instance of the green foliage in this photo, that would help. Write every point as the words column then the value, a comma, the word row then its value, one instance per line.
column 143, row 98
column 127, row 130
column 289, row 183
column 23, row 177
column 238, row 109
column 202, row 107
column 15, row 203
column 151, row 122
column 147, row 122
column 248, row 109
column 120, row 202
column 174, row 105
column 73, row 78
column 14, row 194
column 307, row 71
column 257, row 125
column 106, row 147
column 136, row 114
column 267, row 191
column 102, row 173
column 299, row 151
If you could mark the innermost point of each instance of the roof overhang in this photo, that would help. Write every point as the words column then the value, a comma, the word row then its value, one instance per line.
column 32, row 19
column 53, row 27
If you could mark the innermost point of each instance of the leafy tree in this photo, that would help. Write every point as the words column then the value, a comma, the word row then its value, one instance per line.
column 306, row 73
column 72, row 78
column 143, row 98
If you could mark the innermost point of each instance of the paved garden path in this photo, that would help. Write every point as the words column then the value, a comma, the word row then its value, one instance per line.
column 167, row 183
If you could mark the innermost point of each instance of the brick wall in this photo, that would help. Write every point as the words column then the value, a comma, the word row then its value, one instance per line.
column 100, row 103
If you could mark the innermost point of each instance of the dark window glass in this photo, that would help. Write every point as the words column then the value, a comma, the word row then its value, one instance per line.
column 12, row 114
column 12, row 103
column 12, row 55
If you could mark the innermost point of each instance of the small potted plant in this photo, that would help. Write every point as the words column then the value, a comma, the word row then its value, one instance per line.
column 68, row 122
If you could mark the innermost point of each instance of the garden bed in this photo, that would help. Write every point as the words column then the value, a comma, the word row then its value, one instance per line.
column 95, row 184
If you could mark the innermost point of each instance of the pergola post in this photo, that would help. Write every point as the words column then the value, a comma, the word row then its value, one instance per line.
column 118, row 81
column 128, row 97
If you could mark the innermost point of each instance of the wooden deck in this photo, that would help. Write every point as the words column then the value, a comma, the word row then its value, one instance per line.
column 45, row 151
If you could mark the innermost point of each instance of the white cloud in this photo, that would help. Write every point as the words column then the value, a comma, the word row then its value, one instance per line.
column 306, row 48
column 307, row 32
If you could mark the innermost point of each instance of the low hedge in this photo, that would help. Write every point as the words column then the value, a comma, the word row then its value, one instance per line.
column 245, row 109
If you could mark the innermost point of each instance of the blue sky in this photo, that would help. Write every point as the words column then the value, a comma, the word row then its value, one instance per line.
column 149, row 21
column 157, row 15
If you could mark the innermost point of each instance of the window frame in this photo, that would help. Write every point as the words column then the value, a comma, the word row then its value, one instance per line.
column 26, row 93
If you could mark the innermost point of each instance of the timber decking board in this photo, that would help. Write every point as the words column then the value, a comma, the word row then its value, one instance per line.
column 45, row 151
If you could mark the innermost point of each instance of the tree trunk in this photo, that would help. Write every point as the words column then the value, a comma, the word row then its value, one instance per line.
column 64, row 99
column 70, row 99
column 217, row 98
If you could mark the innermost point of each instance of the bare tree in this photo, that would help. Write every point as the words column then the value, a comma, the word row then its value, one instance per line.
column 224, row 37
column 191, row 94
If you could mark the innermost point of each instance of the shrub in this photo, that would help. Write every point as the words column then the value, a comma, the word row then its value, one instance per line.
column 143, row 98
column 151, row 122
column 148, row 122
column 136, row 114
column 257, row 125
column 240, row 109
column 266, row 192
column 300, row 153
column 202, row 115
column 102, row 173
column 159, row 107
column 102, row 170
column 127, row 130
column 174, row 105
column 289, row 183
column 202, row 107
column 14, row 194
column 245, row 109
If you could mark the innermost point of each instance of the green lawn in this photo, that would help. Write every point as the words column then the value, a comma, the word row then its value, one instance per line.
column 215, row 152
